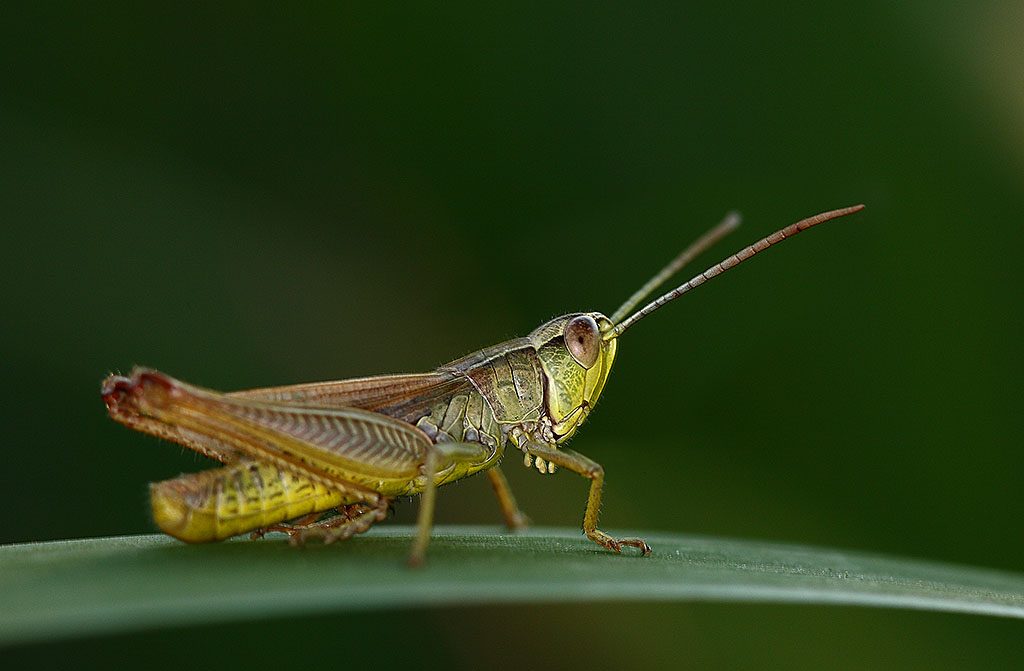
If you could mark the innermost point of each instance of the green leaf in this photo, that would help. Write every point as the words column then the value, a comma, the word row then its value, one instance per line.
column 80, row 587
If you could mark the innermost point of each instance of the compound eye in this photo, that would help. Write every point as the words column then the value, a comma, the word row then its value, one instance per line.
column 583, row 339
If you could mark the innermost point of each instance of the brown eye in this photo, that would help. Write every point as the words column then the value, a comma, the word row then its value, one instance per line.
column 583, row 340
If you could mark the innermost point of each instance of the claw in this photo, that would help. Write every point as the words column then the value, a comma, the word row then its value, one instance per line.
column 542, row 465
column 527, row 460
column 637, row 543
column 616, row 544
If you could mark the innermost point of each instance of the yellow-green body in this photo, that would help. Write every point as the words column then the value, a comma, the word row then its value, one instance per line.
column 525, row 389
column 351, row 446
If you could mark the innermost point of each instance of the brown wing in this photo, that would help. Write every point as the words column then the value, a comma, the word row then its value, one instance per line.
column 405, row 397
column 349, row 445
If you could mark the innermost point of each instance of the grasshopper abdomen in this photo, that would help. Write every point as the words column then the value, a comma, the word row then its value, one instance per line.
column 224, row 502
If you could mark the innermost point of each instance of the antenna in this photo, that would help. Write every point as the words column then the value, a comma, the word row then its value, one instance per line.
column 730, row 262
column 697, row 247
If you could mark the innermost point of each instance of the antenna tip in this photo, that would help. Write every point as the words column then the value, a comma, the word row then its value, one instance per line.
column 842, row 211
column 731, row 221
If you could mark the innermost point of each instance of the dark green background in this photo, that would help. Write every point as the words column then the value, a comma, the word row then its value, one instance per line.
column 246, row 197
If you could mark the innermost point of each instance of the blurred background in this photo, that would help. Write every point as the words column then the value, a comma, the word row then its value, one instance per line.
column 245, row 197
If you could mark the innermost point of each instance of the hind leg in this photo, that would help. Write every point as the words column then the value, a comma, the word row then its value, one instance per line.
column 335, row 517
column 352, row 519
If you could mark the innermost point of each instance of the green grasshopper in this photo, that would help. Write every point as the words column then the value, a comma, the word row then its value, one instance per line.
column 324, row 460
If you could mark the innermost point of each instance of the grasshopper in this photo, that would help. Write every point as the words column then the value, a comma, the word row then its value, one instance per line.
column 325, row 460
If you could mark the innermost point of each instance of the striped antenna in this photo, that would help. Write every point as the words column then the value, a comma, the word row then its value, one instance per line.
column 728, row 224
column 732, row 261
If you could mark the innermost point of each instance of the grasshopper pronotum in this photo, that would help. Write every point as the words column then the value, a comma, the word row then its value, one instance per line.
column 324, row 460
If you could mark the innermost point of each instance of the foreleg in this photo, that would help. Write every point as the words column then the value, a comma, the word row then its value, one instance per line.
column 590, row 469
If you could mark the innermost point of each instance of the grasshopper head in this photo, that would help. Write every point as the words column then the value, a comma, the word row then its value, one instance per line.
column 576, row 360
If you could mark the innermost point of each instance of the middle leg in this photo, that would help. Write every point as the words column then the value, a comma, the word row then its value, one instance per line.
column 445, row 462
column 514, row 517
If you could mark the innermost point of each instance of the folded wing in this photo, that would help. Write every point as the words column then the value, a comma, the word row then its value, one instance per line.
column 335, row 444
column 404, row 397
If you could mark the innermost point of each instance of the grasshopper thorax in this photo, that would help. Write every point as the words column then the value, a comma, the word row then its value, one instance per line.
column 576, row 360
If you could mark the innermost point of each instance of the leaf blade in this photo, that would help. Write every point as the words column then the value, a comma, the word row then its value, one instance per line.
column 105, row 585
